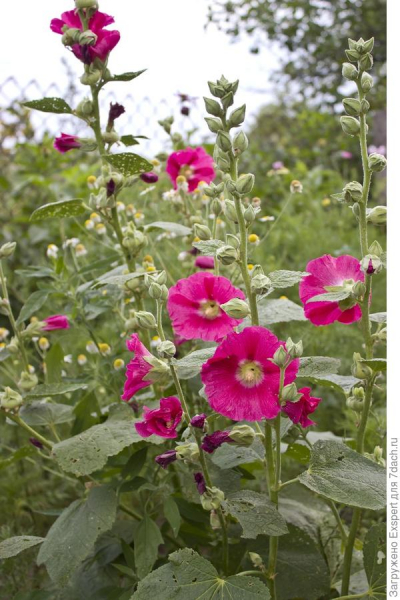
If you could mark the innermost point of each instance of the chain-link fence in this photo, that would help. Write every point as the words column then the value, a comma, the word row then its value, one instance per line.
column 141, row 116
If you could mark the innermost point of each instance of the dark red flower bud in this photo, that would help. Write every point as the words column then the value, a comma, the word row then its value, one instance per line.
column 36, row 443
column 200, row 482
column 110, row 188
column 116, row 110
column 198, row 421
column 185, row 110
column 166, row 458
column 149, row 177
column 370, row 268
column 214, row 441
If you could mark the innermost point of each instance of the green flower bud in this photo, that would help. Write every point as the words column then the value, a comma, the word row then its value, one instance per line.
column 216, row 207
column 355, row 404
column 155, row 290
column 257, row 270
column 236, row 308
column 224, row 141
column 13, row 346
column 237, row 116
column 216, row 90
column 366, row 62
column 359, row 369
column 366, row 82
column 376, row 162
column 232, row 240
column 352, row 106
column 27, row 381
column 215, row 523
column 166, row 349
column 34, row 329
column 202, row 231
column 212, row 498
column 84, row 108
column 359, row 289
column 245, row 183
column 188, row 452
column 213, row 107
column 227, row 100
column 375, row 248
column 368, row 45
column 290, row 393
column 260, row 284
column 280, row 357
column 226, row 255
column 365, row 106
column 350, row 125
column 256, row 559
column 294, row 350
column 377, row 215
column 87, row 38
column 164, row 293
column 86, row 4
column 353, row 191
column 7, row 249
column 145, row 320
column 214, row 124
column 349, row 71
column 230, row 211
column 371, row 264
column 352, row 55
column 10, row 399
column 223, row 164
column 240, row 143
column 110, row 137
column 242, row 435
column 249, row 215
column 176, row 138
column 159, row 371
column 91, row 78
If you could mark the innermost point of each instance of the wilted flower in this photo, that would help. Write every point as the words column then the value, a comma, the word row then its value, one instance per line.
column 214, row 440
column 149, row 177
column 298, row 411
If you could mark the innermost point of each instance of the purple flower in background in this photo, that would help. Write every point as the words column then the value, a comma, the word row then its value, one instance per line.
column 198, row 421
column 377, row 149
column 214, row 440
column 166, row 458
column 200, row 483
column 149, row 177
column 204, row 262
column 278, row 164
column 346, row 155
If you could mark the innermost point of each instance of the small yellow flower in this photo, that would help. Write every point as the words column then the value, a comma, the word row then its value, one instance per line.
column 155, row 341
column 52, row 251
column 95, row 217
column 2, row 345
column 148, row 258
column 254, row 239
column 33, row 320
column 296, row 187
column 150, row 268
column 104, row 293
column 180, row 179
column 282, row 297
column 80, row 250
column 43, row 343
column 91, row 179
column 118, row 364
column 326, row 202
column 120, row 206
column 4, row 333
column 250, row 267
column 266, row 218
column 130, row 209
column 31, row 369
column 82, row 360
column 89, row 224
column 100, row 228
column 196, row 239
column 104, row 349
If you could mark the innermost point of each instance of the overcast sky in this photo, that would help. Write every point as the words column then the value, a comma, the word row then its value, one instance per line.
column 167, row 38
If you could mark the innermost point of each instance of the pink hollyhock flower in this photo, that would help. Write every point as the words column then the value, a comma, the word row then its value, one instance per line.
column 204, row 262
column 194, row 307
column 240, row 381
column 149, row 177
column 298, row 411
column 66, row 142
column 325, row 272
column 137, row 368
column 106, row 40
column 166, row 458
column 214, row 440
column 56, row 322
column 162, row 421
column 346, row 154
column 194, row 163
column 278, row 164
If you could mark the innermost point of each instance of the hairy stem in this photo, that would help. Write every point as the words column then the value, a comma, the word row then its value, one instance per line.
column 47, row 443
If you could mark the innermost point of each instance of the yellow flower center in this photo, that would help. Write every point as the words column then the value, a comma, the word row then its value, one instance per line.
column 210, row 309
column 249, row 373
column 186, row 171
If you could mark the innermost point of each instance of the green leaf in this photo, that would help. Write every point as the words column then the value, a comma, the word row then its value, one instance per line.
column 279, row 311
column 191, row 364
column 89, row 451
column 128, row 163
column 208, row 247
column 54, row 363
column 256, row 514
column 59, row 210
column 73, row 535
column 331, row 296
column 57, row 106
column 285, row 279
column 378, row 365
column 176, row 228
column 132, row 140
column 128, row 76
column 16, row 456
column 318, row 365
column 135, row 464
column 172, row 514
column 42, row 414
column 380, row 317
column 32, row 305
column 340, row 383
column 343, row 475
column 375, row 556
column 229, row 455
column 55, row 389
column 15, row 545
column 119, row 280
column 147, row 537
column 190, row 577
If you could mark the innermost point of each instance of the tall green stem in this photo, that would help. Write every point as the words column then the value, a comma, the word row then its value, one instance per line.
column 31, row 431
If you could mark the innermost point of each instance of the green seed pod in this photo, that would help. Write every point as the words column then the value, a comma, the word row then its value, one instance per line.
column 214, row 124
column 227, row 255
column 145, row 320
column 366, row 82
column 7, row 249
column 236, row 308
column 352, row 106
column 376, row 162
column 350, row 125
column 242, row 435
column 349, row 71
column 202, row 231
column 245, row 183
column 237, row 116
column 212, row 107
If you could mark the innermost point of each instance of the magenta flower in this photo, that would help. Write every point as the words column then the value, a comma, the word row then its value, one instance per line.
column 166, row 458
column 137, row 368
column 194, row 164
column 162, row 421
column 106, row 40
column 200, row 482
column 56, row 322
column 298, row 411
column 214, row 440
column 325, row 272
column 240, row 381
column 149, row 177
column 198, row 421
column 194, row 307
column 204, row 262
column 66, row 142
column 346, row 155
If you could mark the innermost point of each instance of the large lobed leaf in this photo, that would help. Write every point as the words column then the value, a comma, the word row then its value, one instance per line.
column 256, row 514
column 128, row 163
column 57, row 106
column 189, row 366
column 59, row 210
column 343, row 475
column 15, row 545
